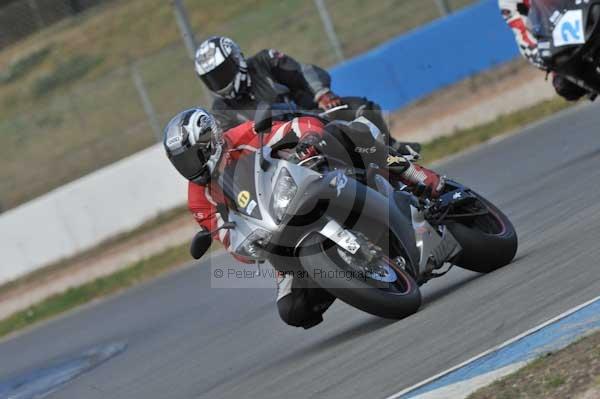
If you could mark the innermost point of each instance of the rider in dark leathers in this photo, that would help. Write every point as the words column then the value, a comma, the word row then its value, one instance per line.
column 239, row 84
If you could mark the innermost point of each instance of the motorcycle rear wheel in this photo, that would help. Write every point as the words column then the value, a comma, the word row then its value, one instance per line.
column 489, row 241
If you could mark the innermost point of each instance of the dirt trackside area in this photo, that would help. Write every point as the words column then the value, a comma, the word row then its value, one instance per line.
column 166, row 231
column 571, row 373
column 475, row 101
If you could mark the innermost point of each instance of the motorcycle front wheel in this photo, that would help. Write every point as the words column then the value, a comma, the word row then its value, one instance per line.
column 391, row 294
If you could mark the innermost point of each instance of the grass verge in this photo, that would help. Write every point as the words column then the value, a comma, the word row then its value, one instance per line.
column 573, row 372
column 171, row 258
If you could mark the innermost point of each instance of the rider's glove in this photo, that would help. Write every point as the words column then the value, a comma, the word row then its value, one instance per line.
column 307, row 147
column 328, row 100
column 531, row 52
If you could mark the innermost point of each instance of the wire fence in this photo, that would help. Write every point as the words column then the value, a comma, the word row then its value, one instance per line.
column 66, row 111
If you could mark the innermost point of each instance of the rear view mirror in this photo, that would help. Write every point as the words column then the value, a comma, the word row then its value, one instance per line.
column 200, row 244
column 263, row 118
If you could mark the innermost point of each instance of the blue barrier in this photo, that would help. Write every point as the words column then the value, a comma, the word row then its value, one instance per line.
column 424, row 60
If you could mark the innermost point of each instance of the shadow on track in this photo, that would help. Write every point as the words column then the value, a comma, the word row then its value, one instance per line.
column 435, row 295
column 300, row 354
column 438, row 294
column 333, row 341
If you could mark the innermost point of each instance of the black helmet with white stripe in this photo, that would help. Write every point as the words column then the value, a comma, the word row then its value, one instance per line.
column 194, row 143
column 222, row 67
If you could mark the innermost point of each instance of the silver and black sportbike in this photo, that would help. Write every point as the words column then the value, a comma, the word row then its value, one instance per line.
column 568, row 34
column 346, row 223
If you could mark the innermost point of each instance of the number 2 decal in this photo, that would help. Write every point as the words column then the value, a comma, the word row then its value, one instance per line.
column 569, row 29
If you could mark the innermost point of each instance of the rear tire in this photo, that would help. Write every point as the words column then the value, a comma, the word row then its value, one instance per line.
column 485, row 251
column 319, row 259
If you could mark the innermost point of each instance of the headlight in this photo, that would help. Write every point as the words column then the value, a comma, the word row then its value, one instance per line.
column 283, row 193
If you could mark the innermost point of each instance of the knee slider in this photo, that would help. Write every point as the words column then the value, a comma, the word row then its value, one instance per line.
column 293, row 311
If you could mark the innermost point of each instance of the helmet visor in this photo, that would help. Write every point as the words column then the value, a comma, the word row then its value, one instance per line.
column 220, row 77
column 190, row 163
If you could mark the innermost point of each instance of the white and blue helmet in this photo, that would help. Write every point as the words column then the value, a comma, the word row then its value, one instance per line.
column 222, row 67
column 194, row 143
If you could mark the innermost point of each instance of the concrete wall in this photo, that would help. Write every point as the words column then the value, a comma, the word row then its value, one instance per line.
column 81, row 214
column 123, row 195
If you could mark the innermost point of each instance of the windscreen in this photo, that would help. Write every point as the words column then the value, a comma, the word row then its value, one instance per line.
column 239, row 177
column 541, row 13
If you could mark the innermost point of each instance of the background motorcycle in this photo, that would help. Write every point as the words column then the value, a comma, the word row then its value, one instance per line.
column 568, row 34
column 351, row 229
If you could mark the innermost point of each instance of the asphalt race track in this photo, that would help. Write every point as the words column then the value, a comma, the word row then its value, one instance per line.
column 186, row 340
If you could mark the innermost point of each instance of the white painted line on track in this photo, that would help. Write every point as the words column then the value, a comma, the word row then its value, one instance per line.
column 495, row 348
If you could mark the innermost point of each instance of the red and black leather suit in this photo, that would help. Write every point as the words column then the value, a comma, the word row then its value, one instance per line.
column 240, row 141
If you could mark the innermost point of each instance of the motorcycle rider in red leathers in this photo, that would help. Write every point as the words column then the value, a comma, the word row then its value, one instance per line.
column 199, row 150
column 515, row 14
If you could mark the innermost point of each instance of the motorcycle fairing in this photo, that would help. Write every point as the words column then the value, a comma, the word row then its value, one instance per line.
column 360, row 208
column 551, row 18
column 238, row 184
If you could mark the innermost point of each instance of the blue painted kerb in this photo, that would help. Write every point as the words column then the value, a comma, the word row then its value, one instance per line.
column 550, row 338
column 426, row 59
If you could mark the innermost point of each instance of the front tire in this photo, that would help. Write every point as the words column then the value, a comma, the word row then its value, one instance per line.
column 320, row 259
